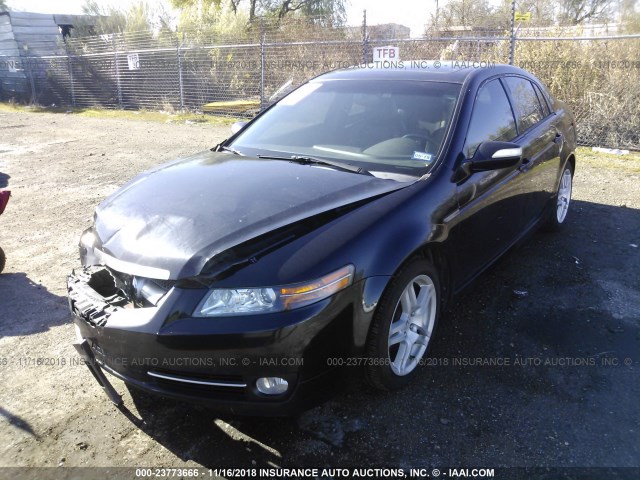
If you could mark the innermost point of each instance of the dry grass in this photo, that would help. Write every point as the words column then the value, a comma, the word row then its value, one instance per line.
column 143, row 115
column 626, row 163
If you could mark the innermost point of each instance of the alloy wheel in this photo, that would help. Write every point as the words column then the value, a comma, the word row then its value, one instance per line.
column 564, row 195
column 412, row 325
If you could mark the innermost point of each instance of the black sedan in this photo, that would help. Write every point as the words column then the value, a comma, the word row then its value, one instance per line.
column 331, row 231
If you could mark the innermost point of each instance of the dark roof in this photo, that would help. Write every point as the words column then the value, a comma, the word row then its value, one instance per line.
column 455, row 71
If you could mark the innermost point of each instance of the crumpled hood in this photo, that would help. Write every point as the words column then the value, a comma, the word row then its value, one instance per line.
column 172, row 220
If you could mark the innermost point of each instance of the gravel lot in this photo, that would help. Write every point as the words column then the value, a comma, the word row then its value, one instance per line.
column 576, row 301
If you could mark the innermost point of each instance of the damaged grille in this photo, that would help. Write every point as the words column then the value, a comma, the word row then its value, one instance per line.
column 95, row 293
column 94, row 296
column 141, row 291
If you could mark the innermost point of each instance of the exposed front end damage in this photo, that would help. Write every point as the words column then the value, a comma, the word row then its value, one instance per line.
column 98, row 291
column 143, row 331
column 96, row 294
column 93, row 295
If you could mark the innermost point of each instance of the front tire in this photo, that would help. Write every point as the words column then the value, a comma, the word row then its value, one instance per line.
column 403, row 326
column 3, row 260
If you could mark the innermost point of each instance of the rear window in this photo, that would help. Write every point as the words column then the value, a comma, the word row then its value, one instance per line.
column 543, row 100
column 528, row 109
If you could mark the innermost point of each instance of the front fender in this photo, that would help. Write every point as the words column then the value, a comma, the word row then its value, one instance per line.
column 371, row 290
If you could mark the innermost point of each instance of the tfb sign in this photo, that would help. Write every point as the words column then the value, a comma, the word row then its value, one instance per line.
column 388, row 54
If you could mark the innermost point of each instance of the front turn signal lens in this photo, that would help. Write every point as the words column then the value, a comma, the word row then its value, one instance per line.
column 304, row 294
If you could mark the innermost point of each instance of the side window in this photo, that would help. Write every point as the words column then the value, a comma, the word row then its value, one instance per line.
column 492, row 118
column 526, row 102
column 543, row 100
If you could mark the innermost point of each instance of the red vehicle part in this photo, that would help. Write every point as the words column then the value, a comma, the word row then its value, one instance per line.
column 4, row 199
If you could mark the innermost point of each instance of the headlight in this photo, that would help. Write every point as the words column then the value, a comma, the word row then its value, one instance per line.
column 88, row 238
column 221, row 302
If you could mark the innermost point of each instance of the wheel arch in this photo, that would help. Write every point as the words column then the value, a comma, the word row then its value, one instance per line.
column 434, row 252
column 373, row 288
column 571, row 160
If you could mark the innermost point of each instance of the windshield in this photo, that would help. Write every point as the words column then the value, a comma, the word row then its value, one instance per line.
column 390, row 128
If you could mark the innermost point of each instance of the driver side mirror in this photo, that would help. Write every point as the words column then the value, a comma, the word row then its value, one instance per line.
column 490, row 156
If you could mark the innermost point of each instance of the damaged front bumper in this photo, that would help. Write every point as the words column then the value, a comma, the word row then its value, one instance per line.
column 85, row 352
column 163, row 349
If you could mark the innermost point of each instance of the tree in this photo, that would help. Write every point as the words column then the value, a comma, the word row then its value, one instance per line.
column 333, row 10
column 575, row 12
column 480, row 15
column 3, row 6
column 542, row 12
column 630, row 17
column 140, row 16
column 330, row 9
column 206, row 19
column 466, row 13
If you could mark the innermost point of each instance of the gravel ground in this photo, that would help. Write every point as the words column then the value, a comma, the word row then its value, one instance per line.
column 564, row 309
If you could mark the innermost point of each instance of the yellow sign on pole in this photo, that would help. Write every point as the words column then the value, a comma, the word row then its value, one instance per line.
column 522, row 17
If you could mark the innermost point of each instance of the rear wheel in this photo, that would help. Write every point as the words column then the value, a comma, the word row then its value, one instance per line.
column 558, row 215
column 403, row 326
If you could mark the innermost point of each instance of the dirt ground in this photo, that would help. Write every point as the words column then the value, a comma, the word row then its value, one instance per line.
column 566, row 305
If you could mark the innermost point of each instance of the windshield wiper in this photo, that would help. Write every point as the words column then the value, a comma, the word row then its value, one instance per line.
column 229, row 149
column 345, row 167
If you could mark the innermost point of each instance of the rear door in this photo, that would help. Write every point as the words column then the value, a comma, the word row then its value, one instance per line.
column 541, row 141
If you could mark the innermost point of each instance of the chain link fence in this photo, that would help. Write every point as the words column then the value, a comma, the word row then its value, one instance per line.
column 598, row 77
column 238, row 75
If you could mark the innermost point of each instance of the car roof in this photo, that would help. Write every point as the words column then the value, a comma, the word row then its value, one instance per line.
column 452, row 71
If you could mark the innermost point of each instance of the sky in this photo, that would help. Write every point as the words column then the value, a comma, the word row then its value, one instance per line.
column 412, row 13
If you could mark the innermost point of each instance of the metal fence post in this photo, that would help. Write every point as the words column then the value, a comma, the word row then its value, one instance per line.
column 70, row 66
column 262, row 64
column 512, row 41
column 115, row 50
column 365, row 38
column 32, row 81
column 180, row 83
